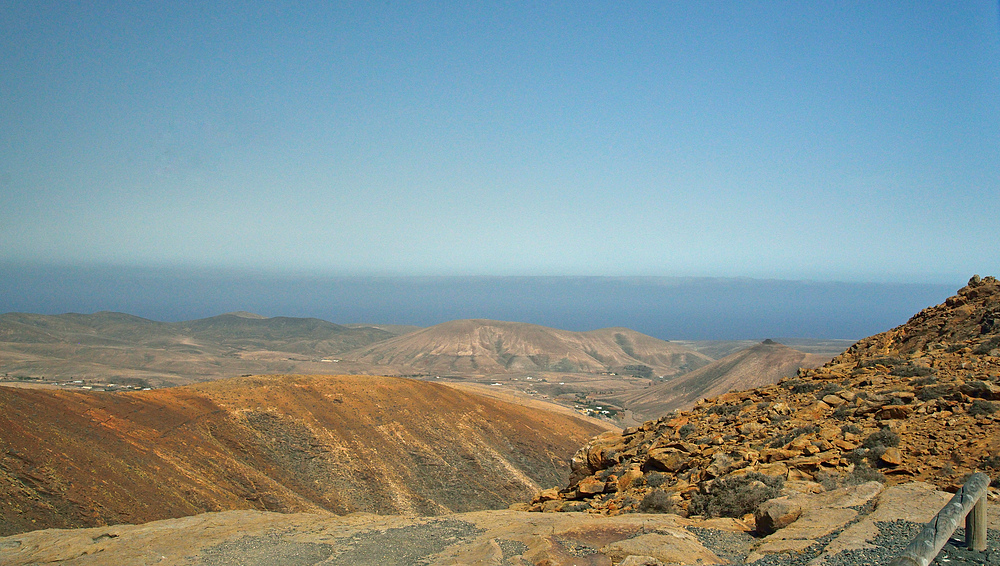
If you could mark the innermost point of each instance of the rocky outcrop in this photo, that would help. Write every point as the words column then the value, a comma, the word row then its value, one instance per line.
column 915, row 403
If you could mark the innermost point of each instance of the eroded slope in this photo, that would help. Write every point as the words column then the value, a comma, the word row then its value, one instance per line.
column 280, row 443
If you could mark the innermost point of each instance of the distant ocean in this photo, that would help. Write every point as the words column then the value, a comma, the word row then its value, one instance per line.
column 665, row 307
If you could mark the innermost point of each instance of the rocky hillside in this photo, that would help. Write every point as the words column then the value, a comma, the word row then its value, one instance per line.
column 492, row 347
column 918, row 402
column 761, row 364
column 277, row 443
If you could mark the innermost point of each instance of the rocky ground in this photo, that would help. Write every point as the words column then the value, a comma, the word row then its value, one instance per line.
column 916, row 403
column 864, row 524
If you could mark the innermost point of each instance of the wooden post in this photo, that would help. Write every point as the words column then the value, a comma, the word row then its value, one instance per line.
column 935, row 534
column 975, row 526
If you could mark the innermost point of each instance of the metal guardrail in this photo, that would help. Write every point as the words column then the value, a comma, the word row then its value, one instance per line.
column 970, row 503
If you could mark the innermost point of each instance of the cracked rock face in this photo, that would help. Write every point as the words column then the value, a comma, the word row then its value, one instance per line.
column 916, row 403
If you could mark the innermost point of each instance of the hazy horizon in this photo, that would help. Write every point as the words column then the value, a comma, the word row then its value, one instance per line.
column 671, row 308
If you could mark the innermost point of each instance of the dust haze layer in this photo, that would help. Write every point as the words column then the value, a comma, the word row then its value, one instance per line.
column 665, row 307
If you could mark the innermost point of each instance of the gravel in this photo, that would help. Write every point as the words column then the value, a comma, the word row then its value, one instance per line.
column 270, row 548
column 956, row 554
column 403, row 546
column 892, row 539
column 511, row 548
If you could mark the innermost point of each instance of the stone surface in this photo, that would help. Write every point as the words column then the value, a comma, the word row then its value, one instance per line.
column 776, row 514
column 675, row 546
column 916, row 502
column 253, row 538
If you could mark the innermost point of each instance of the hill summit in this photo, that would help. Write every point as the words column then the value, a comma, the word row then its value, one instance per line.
column 914, row 403
column 479, row 346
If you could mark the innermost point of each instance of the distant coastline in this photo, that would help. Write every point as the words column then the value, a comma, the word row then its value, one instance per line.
column 670, row 308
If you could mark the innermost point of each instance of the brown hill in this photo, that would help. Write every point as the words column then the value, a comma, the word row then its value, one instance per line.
column 285, row 443
column 109, row 345
column 762, row 364
column 915, row 403
column 490, row 347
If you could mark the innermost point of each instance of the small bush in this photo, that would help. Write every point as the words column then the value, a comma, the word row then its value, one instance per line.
column 784, row 439
column 828, row 480
column 910, row 370
column 777, row 419
column 796, row 386
column 655, row 479
column 856, row 456
column 935, row 392
column 981, row 407
column 736, row 496
column 686, row 430
column 723, row 410
column 850, row 428
column 992, row 462
column 862, row 474
column 828, row 389
column 984, row 348
column 888, row 362
column 884, row 438
column 873, row 454
column 656, row 501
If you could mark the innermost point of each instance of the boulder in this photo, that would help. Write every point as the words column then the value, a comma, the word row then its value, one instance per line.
column 668, row 460
column 891, row 457
column 833, row 400
column 776, row 514
column 590, row 486
column 981, row 390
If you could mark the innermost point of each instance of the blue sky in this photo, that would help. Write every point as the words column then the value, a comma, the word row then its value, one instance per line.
column 841, row 141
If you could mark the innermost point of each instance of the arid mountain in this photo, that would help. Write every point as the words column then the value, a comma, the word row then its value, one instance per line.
column 490, row 347
column 111, row 345
column 762, row 364
column 918, row 402
column 309, row 336
column 281, row 443
column 818, row 350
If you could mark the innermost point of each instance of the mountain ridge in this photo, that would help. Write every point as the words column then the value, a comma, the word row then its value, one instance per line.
column 484, row 346
column 761, row 364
